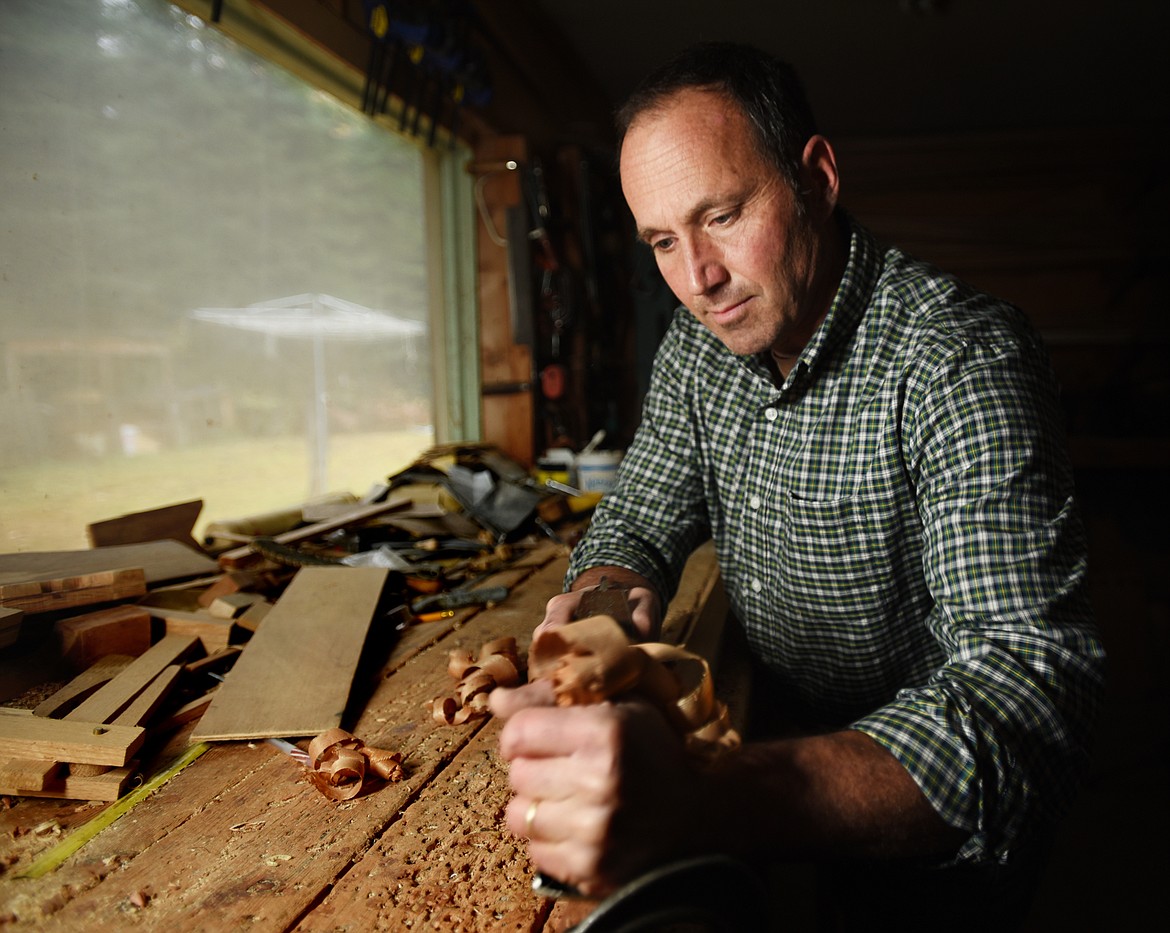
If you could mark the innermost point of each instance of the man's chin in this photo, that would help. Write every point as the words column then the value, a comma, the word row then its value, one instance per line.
column 742, row 344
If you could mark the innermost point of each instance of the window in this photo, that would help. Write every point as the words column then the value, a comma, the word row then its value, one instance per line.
column 213, row 277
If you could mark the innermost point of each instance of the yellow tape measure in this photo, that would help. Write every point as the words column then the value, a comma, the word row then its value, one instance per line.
column 56, row 855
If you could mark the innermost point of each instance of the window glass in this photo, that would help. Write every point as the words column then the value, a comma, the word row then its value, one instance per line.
column 212, row 277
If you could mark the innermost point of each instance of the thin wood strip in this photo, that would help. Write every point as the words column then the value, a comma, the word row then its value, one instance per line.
column 146, row 704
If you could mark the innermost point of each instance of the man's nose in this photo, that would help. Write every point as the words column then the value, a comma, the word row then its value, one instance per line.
column 705, row 270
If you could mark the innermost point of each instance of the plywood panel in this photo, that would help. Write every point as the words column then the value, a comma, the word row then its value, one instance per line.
column 294, row 676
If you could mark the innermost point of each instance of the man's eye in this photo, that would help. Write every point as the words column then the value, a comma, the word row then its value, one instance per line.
column 664, row 244
column 721, row 219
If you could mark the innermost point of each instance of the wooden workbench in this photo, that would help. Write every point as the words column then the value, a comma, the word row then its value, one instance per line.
column 239, row 839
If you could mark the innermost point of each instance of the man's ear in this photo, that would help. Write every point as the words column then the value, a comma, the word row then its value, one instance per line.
column 821, row 179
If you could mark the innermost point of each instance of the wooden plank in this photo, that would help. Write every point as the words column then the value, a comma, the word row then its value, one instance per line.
column 121, row 630
column 294, row 677
column 48, row 595
column 81, row 686
column 161, row 561
column 111, row 699
column 170, row 522
column 69, row 740
column 242, row 556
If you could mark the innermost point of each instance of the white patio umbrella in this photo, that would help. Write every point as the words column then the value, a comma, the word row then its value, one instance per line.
column 318, row 318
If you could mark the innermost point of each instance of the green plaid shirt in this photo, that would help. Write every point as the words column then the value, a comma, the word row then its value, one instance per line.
column 896, row 529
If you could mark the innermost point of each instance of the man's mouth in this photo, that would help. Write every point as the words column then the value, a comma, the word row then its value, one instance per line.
column 728, row 312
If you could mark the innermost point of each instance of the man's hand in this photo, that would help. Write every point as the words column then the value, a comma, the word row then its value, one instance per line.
column 603, row 792
column 645, row 606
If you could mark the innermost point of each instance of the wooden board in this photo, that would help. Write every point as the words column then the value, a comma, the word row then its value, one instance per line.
column 69, row 740
column 170, row 522
column 67, row 592
column 160, row 561
column 294, row 676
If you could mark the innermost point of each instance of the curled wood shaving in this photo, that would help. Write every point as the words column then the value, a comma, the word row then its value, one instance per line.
column 338, row 761
column 592, row 660
column 497, row 665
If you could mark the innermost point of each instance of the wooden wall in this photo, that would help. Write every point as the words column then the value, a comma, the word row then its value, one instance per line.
column 1068, row 225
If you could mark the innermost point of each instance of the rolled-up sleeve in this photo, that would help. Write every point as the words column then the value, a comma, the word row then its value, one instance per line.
column 998, row 738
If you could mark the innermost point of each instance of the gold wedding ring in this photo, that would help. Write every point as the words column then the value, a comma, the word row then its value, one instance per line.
column 530, row 818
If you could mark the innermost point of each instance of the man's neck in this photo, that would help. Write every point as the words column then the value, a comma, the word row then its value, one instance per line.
column 830, row 262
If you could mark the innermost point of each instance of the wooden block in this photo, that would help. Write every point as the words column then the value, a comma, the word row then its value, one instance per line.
column 29, row 773
column 123, row 630
column 232, row 605
column 170, row 522
column 294, row 677
column 10, row 620
column 69, row 740
column 85, row 589
column 116, row 695
column 81, row 686
column 214, row 634
column 161, row 561
column 235, row 581
column 107, row 786
column 254, row 615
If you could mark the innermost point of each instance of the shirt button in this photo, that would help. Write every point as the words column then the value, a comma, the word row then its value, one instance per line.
column 755, row 502
column 771, row 414
column 757, row 586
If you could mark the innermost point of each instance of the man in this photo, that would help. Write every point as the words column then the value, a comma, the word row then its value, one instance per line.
column 876, row 450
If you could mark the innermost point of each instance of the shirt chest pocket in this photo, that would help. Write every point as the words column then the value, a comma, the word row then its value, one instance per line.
column 837, row 559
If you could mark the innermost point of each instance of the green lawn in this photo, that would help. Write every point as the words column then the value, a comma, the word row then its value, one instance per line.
column 47, row 506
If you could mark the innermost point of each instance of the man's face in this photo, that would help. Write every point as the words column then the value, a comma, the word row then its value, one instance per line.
column 723, row 224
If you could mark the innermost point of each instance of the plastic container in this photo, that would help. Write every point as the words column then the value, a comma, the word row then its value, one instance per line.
column 597, row 471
